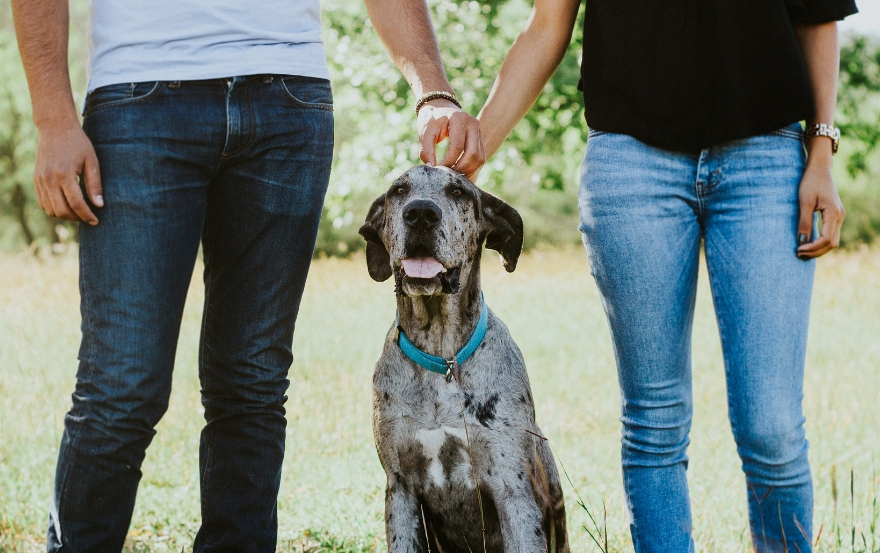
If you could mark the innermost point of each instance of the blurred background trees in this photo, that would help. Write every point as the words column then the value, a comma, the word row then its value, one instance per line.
column 536, row 170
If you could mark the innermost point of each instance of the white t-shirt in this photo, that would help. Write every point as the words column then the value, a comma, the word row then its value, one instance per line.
column 176, row 40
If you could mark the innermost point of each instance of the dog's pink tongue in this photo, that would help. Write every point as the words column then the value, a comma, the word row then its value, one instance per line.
column 422, row 267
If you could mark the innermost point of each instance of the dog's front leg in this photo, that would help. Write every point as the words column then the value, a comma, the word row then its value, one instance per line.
column 521, row 520
column 404, row 528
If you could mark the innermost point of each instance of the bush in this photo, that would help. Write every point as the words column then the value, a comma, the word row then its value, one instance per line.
column 536, row 170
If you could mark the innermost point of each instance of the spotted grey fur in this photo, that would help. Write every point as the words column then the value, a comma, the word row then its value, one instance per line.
column 417, row 414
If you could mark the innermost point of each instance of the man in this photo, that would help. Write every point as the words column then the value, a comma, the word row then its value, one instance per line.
column 206, row 122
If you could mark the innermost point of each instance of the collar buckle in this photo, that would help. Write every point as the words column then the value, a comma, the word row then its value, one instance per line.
column 451, row 369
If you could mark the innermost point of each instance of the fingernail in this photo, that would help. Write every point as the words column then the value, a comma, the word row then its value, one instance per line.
column 803, row 239
column 99, row 200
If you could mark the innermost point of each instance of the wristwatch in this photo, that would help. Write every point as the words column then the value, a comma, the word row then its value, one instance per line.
column 821, row 129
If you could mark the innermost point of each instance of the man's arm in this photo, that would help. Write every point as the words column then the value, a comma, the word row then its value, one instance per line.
column 534, row 56
column 64, row 152
column 817, row 190
column 405, row 28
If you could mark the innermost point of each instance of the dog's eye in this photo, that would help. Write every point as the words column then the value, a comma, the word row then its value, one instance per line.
column 456, row 192
column 399, row 190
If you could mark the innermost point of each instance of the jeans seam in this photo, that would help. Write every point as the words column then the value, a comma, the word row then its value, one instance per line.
column 203, row 485
column 724, row 348
column 249, row 136
column 60, row 498
column 698, row 190
column 202, row 501
column 71, row 449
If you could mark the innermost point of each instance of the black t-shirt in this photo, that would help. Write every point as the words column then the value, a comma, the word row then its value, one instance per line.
column 688, row 74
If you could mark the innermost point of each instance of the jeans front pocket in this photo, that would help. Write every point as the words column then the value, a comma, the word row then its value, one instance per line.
column 307, row 92
column 122, row 94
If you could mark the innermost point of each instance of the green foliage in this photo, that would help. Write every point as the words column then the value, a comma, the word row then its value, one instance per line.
column 859, row 100
column 858, row 116
column 17, row 146
column 376, row 127
column 536, row 170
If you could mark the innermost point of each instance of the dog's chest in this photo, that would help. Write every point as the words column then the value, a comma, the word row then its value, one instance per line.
column 429, row 443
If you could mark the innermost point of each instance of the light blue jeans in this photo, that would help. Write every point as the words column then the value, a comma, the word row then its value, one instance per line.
column 644, row 214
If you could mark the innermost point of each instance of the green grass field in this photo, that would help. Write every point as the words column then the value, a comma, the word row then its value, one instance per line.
column 333, row 488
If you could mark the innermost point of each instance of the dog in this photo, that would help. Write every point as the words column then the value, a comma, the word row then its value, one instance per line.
column 467, row 468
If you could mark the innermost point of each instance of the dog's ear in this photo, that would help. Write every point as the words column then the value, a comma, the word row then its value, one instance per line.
column 503, row 228
column 378, row 260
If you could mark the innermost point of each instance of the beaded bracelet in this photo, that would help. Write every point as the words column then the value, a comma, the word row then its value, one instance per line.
column 428, row 96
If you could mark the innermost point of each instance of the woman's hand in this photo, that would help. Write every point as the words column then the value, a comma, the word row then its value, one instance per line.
column 817, row 192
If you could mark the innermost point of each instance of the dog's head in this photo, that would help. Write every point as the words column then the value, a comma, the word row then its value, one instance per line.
column 429, row 227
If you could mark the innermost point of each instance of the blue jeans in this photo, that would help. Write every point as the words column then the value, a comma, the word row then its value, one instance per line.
column 644, row 213
column 241, row 166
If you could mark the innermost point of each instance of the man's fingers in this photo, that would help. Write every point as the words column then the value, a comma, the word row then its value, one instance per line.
column 92, row 180
column 428, row 152
column 60, row 208
column 457, row 141
column 474, row 155
column 77, row 204
column 41, row 196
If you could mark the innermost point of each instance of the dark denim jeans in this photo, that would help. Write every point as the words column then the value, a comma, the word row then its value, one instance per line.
column 240, row 165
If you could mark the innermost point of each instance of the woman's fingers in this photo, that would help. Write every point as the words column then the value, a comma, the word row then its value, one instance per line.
column 818, row 193
column 829, row 237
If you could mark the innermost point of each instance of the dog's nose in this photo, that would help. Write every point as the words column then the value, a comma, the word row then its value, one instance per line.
column 422, row 214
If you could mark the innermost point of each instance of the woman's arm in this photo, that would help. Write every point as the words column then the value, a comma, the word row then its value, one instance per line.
column 532, row 59
column 817, row 190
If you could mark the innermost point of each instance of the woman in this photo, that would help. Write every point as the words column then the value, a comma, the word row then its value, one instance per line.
column 694, row 111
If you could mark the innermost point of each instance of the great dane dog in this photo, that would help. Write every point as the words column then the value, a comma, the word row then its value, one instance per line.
column 468, row 469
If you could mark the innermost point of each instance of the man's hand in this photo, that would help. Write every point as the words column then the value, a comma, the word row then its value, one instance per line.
column 63, row 156
column 440, row 119
column 406, row 30
column 64, row 152
column 817, row 192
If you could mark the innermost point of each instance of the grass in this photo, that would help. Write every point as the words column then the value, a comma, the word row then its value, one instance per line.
column 332, row 492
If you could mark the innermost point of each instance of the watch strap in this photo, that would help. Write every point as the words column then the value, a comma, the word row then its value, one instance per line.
column 821, row 129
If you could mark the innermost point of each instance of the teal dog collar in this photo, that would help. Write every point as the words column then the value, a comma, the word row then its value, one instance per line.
column 439, row 365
